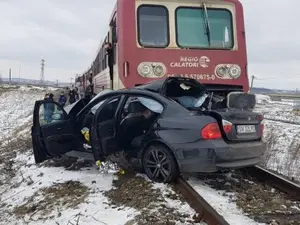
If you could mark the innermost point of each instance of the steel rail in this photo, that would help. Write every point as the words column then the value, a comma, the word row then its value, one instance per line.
column 205, row 211
column 277, row 181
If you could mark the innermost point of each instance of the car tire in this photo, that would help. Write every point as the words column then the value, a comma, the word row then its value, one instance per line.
column 159, row 164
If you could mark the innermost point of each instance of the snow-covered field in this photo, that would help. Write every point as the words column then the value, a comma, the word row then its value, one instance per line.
column 281, row 111
column 48, row 194
column 282, row 134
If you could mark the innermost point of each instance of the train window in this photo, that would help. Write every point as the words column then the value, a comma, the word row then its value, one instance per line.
column 192, row 30
column 153, row 26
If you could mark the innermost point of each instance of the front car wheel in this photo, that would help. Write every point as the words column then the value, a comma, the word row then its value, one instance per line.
column 159, row 164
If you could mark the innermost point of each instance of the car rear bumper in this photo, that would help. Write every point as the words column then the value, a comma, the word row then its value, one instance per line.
column 215, row 155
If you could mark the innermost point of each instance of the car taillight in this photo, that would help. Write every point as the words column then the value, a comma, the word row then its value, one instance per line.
column 227, row 126
column 211, row 131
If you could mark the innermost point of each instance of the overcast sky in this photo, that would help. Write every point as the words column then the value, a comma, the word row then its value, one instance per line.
column 67, row 34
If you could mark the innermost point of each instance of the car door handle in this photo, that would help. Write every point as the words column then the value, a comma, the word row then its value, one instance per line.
column 59, row 128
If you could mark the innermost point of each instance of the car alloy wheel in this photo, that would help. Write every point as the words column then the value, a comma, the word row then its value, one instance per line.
column 159, row 164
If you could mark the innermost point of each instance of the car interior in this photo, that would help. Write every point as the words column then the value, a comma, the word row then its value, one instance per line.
column 136, row 120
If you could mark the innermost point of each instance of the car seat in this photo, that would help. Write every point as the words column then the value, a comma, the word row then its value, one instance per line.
column 132, row 125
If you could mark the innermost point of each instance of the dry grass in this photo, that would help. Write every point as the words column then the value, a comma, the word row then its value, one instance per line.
column 60, row 196
column 138, row 193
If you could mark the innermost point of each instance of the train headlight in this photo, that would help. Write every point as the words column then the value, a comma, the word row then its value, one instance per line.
column 234, row 71
column 144, row 69
column 159, row 70
column 221, row 71
column 152, row 69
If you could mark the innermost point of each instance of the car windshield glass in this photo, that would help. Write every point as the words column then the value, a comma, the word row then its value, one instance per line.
column 200, row 28
column 154, row 106
column 188, row 93
column 192, row 102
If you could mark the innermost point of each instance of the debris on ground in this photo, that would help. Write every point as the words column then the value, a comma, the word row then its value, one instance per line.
column 69, row 163
column 54, row 199
column 152, row 202
column 259, row 201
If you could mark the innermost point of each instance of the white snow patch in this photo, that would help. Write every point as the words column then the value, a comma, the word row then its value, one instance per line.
column 95, row 209
column 282, row 134
column 262, row 98
column 16, row 107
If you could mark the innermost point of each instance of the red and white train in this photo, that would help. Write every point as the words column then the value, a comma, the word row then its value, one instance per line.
column 151, row 39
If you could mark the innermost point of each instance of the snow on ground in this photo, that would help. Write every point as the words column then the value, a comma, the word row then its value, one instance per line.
column 282, row 134
column 35, row 194
column 16, row 109
column 16, row 106
column 95, row 209
column 281, row 111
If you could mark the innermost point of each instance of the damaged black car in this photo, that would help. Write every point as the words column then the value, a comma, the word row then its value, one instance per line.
column 170, row 126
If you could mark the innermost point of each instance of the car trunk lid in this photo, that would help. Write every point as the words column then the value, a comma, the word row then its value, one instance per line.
column 245, row 125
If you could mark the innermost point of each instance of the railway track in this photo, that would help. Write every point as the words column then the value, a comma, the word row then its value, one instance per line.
column 274, row 180
column 283, row 121
column 204, row 210
column 209, row 215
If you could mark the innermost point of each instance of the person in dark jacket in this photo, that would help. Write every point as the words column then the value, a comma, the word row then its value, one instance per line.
column 45, row 106
column 76, row 93
column 72, row 95
column 49, row 108
column 89, row 91
column 110, row 58
column 62, row 99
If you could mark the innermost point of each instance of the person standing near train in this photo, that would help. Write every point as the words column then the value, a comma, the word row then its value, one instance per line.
column 110, row 59
column 72, row 95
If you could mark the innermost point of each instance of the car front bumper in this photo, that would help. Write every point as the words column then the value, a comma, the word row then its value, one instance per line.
column 217, row 154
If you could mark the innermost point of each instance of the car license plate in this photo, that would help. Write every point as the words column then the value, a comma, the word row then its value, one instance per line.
column 245, row 129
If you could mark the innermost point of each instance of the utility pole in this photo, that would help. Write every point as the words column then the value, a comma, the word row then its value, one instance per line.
column 19, row 72
column 57, row 83
column 251, row 86
column 42, row 76
column 9, row 75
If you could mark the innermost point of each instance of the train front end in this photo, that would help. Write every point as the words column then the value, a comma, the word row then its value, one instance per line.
column 200, row 39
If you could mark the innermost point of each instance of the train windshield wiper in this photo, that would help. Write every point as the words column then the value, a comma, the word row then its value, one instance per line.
column 207, row 26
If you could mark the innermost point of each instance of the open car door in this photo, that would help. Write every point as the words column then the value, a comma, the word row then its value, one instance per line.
column 52, row 131
column 103, row 134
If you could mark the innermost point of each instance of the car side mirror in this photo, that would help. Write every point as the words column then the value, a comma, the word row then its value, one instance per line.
column 241, row 100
